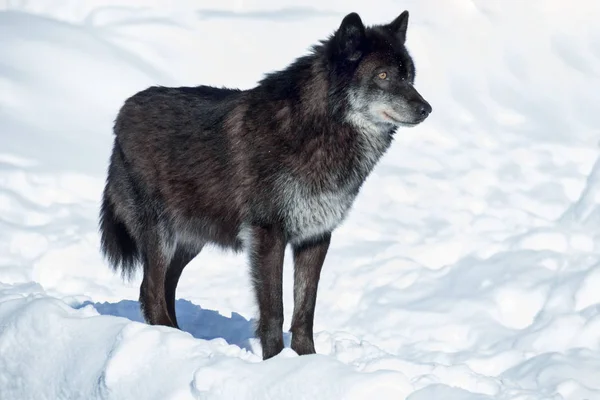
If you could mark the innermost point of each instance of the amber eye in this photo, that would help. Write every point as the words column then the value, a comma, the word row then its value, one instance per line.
column 382, row 75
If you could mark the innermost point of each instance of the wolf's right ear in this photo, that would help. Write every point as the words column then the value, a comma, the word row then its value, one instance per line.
column 399, row 26
column 350, row 37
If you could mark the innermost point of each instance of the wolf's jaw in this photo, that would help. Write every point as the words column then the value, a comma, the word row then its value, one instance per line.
column 389, row 118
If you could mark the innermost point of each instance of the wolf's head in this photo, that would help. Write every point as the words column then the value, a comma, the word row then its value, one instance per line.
column 380, row 72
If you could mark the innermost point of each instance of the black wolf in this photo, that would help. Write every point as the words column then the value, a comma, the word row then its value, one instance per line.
column 256, row 169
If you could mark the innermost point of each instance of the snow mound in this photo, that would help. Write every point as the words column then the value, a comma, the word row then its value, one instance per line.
column 96, row 356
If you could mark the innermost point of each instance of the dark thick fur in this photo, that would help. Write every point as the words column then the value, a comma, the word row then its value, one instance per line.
column 256, row 170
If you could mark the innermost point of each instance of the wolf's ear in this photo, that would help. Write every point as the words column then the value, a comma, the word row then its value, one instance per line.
column 350, row 37
column 399, row 26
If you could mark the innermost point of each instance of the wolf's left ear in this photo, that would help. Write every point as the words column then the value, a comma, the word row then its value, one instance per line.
column 399, row 26
column 350, row 37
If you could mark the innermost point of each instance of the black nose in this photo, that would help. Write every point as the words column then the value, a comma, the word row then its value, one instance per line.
column 423, row 109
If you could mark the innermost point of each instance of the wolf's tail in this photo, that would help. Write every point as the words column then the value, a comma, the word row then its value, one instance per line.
column 118, row 246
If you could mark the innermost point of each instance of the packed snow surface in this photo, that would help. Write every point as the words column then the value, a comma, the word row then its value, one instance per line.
column 468, row 269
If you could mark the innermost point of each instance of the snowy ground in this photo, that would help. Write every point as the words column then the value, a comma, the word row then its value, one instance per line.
column 469, row 268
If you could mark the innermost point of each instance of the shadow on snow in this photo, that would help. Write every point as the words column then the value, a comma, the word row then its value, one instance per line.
column 201, row 323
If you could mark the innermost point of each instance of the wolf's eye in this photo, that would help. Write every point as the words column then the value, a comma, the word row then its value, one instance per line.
column 382, row 75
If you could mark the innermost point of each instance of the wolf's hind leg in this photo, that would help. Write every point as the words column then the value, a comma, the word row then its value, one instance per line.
column 181, row 258
column 153, row 302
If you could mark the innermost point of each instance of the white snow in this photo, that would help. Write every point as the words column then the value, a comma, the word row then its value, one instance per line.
column 468, row 269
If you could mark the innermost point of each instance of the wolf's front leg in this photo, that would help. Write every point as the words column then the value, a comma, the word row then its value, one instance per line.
column 308, row 261
column 267, row 249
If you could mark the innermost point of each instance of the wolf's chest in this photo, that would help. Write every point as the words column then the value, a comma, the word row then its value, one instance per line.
column 319, row 206
column 311, row 214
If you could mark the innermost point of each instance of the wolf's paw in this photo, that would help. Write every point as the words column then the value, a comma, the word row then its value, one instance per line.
column 303, row 344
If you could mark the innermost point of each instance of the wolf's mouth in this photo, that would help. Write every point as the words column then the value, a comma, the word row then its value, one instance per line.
column 397, row 121
column 388, row 116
